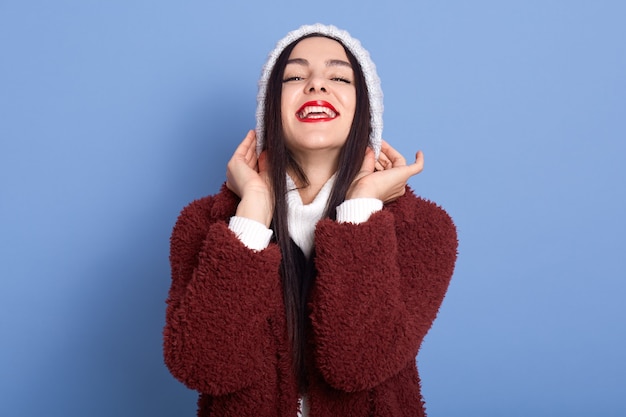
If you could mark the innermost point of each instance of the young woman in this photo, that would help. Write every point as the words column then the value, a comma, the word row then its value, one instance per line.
column 307, row 284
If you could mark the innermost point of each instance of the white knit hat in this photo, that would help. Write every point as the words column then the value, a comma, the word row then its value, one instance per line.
column 375, row 93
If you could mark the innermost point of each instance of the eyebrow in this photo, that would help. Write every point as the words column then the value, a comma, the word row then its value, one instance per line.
column 329, row 63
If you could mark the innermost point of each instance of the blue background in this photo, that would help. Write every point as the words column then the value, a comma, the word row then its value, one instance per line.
column 114, row 115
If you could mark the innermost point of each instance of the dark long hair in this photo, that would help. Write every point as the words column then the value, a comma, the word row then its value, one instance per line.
column 296, row 278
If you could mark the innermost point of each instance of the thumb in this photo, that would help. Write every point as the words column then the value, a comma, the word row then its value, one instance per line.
column 418, row 165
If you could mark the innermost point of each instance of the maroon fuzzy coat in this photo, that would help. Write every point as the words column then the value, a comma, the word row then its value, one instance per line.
column 378, row 289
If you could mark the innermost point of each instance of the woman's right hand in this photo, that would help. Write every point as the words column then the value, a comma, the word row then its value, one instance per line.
column 247, row 176
column 386, row 178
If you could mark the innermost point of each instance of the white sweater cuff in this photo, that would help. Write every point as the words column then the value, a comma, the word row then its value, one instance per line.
column 251, row 233
column 358, row 210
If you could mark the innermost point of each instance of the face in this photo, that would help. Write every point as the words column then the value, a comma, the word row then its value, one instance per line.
column 318, row 98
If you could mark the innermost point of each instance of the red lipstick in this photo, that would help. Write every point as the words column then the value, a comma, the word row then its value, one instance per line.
column 316, row 111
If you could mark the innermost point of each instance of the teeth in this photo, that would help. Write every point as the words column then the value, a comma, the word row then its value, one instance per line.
column 317, row 109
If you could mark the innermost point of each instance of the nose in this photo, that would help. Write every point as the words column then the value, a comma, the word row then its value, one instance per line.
column 316, row 84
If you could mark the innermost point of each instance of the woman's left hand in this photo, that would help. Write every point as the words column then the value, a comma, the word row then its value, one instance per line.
column 386, row 178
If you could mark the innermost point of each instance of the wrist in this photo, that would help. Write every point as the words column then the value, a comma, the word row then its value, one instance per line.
column 359, row 191
column 257, row 207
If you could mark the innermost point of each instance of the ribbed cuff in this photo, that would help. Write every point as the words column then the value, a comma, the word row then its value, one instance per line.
column 358, row 210
column 251, row 233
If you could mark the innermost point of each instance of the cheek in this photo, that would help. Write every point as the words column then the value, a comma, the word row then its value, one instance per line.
column 350, row 101
column 286, row 101
column 285, row 118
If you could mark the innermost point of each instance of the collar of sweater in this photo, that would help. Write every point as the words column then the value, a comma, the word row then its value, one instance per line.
column 302, row 218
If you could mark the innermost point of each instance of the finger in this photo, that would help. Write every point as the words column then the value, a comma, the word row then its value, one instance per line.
column 251, row 158
column 242, row 148
column 394, row 156
column 403, row 173
column 247, row 149
column 417, row 166
column 419, row 159
column 250, row 137
column 384, row 162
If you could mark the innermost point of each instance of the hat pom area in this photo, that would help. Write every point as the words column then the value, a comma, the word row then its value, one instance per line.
column 372, row 80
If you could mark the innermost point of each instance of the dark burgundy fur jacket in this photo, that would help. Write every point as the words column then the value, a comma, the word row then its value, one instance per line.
column 378, row 289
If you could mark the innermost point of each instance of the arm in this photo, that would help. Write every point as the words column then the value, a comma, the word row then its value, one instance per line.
column 378, row 290
column 222, row 294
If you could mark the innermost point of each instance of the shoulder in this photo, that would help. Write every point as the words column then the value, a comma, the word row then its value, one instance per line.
column 217, row 206
column 410, row 205
column 421, row 215
column 201, row 213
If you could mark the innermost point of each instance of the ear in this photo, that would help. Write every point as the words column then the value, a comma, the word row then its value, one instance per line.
column 369, row 162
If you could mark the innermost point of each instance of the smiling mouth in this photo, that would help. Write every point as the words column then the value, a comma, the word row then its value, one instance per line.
column 316, row 111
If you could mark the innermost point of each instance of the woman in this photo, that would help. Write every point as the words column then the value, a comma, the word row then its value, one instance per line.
column 307, row 284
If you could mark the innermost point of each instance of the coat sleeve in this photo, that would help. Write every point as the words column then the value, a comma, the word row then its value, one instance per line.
column 378, row 290
column 217, row 336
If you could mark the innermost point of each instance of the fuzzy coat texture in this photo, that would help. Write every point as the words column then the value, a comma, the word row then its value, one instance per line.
column 378, row 289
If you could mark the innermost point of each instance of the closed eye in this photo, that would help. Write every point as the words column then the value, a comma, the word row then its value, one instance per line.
column 341, row 79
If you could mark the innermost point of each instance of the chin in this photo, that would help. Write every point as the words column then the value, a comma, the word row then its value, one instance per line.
column 313, row 142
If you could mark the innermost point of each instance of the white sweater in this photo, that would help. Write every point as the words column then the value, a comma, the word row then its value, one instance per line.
column 302, row 218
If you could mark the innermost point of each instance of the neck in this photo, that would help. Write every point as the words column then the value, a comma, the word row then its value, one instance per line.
column 318, row 170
